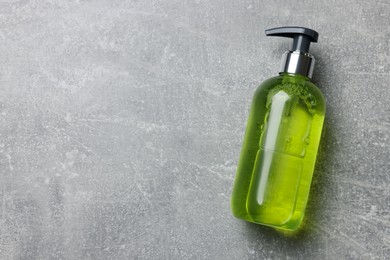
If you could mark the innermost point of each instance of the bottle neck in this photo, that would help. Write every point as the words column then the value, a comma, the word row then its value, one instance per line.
column 297, row 62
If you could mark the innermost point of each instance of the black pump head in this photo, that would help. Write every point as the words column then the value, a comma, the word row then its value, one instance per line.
column 302, row 36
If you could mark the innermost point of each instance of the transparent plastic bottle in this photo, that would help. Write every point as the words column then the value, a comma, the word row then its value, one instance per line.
column 279, row 152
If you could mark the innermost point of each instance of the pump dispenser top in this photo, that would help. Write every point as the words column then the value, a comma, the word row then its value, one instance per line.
column 298, row 60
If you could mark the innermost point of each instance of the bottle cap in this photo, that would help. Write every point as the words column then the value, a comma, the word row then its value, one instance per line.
column 298, row 60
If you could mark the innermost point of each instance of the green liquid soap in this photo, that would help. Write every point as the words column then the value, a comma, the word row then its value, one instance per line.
column 281, row 141
column 277, row 160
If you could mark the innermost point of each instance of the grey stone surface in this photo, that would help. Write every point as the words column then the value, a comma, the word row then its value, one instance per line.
column 121, row 124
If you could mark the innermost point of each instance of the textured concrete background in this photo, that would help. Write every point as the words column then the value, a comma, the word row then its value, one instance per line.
column 121, row 124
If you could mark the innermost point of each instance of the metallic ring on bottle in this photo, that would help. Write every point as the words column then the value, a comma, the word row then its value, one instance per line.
column 297, row 62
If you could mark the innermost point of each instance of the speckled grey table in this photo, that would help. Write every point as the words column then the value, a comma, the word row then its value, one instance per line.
column 121, row 124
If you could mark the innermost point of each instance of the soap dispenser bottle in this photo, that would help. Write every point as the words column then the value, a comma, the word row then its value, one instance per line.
column 282, row 135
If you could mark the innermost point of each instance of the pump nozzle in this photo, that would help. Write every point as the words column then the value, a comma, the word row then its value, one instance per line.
column 298, row 60
column 302, row 36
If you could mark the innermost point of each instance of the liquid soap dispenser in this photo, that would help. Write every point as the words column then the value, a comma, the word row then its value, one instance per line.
column 282, row 135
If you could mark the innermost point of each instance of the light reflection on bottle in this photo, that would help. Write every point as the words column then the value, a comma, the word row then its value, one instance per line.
column 274, row 122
